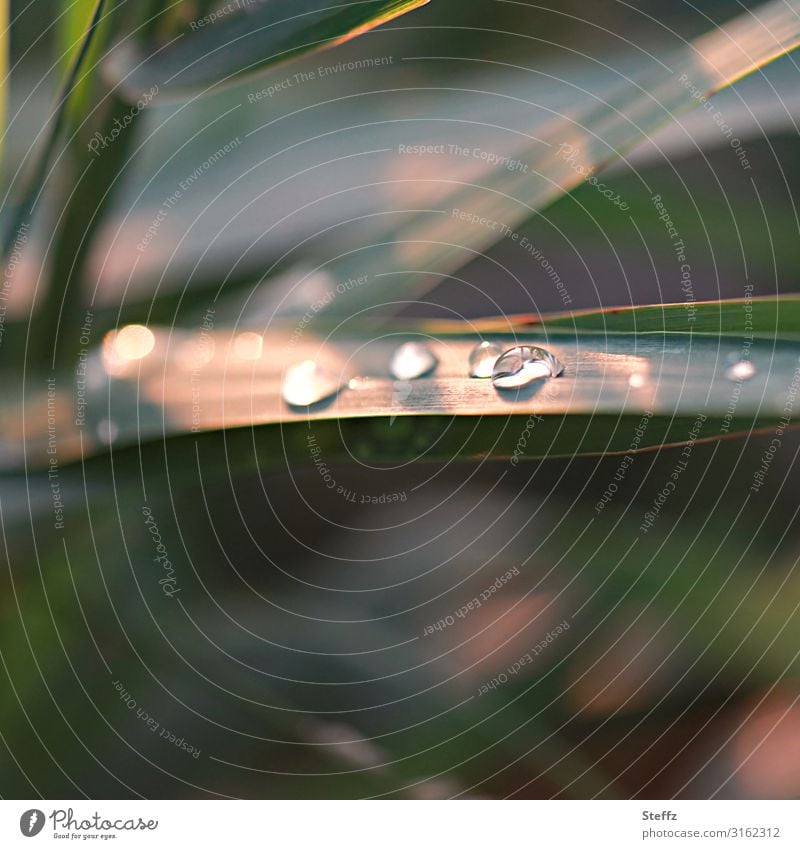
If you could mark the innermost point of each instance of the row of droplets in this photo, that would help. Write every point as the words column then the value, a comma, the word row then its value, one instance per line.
column 508, row 368
column 307, row 383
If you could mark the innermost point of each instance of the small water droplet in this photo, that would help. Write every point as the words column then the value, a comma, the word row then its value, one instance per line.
column 483, row 358
column 249, row 346
column 107, row 431
column 307, row 383
column 412, row 360
column 637, row 381
column 742, row 370
column 524, row 364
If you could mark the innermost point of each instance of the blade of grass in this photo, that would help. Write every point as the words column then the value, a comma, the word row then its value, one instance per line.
column 25, row 207
column 471, row 217
column 671, row 379
column 74, row 24
column 214, row 51
column 769, row 317
column 5, row 35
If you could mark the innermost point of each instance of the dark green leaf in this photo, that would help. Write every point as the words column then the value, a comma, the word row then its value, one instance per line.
column 222, row 380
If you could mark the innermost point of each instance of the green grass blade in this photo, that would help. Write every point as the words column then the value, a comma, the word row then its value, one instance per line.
column 770, row 317
column 5, row 34
column 469, row 217
column 25, row 207
column 188, row 383
column 220, row 47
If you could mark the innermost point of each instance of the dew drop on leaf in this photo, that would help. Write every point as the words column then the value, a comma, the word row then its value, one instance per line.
column 483, row 358
column 107, row 431
column 412, row 360
column 308, row 383
column 523, row 365
column 742, row 370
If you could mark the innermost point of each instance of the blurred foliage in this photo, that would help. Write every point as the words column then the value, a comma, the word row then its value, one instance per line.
column 296, row 652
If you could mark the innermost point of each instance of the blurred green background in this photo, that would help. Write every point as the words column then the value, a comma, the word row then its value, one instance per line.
column 298, row 658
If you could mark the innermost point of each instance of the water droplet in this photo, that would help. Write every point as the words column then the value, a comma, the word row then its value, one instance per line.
column 524, row 364
column 107, row 431
column 412, row 360
column 307, row 383
column 637, row 381
column 249, row 346
column 483, row 358
column 743, row 370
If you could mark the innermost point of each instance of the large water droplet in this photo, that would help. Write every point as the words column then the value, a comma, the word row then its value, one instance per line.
column 483, row 358
column 412, row 360
column 307, row 383
column 743, row 370
column 524, row 364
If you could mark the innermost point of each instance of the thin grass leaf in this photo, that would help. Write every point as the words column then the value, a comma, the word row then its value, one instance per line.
column 145, row 385
column 322, row 173
column 467, row 218
column 25, row 207
column 218, row 49
column 5, row 36
column 775, row 318
column 74, row 23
